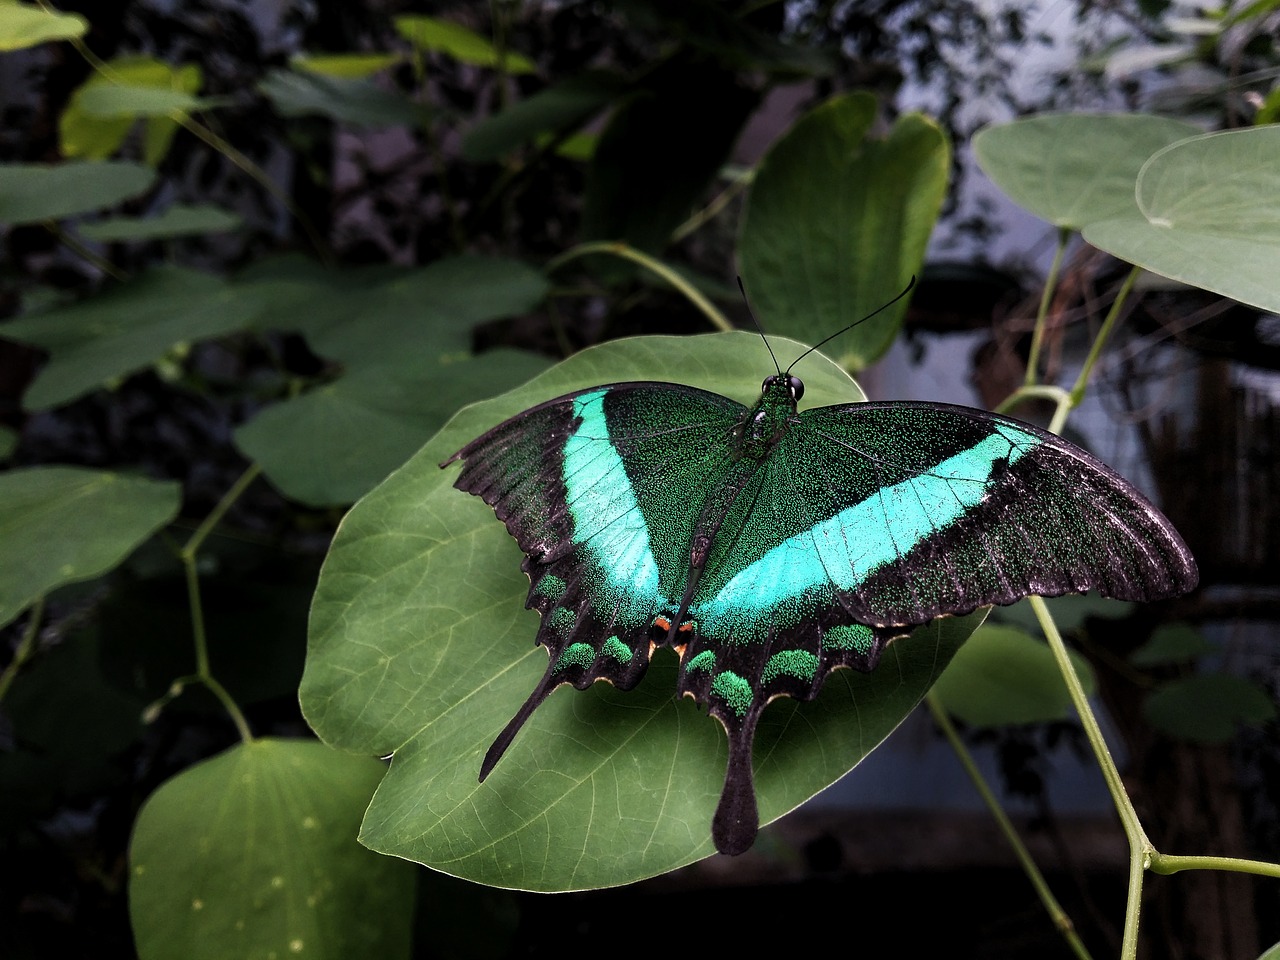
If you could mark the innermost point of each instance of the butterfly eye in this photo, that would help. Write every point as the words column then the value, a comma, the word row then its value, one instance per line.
column 796, row 385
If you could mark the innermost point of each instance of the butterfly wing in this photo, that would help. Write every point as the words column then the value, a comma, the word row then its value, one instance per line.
column 601, row 489
column 871, row 518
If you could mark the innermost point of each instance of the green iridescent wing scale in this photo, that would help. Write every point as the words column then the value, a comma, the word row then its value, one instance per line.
column 769, row 547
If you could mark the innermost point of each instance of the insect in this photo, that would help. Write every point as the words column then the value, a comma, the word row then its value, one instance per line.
column 769, row 546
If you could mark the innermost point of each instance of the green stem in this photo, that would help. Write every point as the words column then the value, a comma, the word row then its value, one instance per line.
column 71, row 242
column 1043, row 391
column 26, row 647
column 1167, row 863
column 1042, row 315
column 188, row 556
column 617, row 249
column 1113, row 317
column 1140, row 848
column 1059, row 916
column 712, row 209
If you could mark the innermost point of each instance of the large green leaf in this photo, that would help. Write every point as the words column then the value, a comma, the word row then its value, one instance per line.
column 63, row 524
column 23, row 25
column 32, row 192
column 1078, row 168
column 253, row 854
column 1003, row 676
column 837, row 222
column 1208, row 214
column 660, row 152
column 126, row 329
column 405, row 347
column 420, row 646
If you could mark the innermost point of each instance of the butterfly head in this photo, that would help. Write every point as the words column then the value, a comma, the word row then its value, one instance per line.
column 785, row 383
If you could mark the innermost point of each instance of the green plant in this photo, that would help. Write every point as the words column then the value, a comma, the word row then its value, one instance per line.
column 390, row 360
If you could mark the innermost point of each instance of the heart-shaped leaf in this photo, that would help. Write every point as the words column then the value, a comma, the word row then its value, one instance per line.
column 59, row 525
column 836, row 224
column 1208, row 214
column 1078, row 168
column 1208, row 707
column 420, row 646
column 355, row 100
column 253, row 854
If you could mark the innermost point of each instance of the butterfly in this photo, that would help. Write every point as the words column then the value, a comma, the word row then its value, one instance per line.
column 769, row 546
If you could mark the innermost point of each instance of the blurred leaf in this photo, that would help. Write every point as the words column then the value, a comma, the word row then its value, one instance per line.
column 347, row 99
column 1208, row 214
column 560, row 107
column 8, row 442
column 345, row 64
column 420, row 645
column 122, row 100
column 332, row 445
column 1208, row 707
column 1074, row 169
column 125, row 329
column 32, row 192
column 1004, row 676
column 837, row 222
column 59, row 525
column 24, row 25
column 639, row 188
column 253, row 854
column 405, row 345
column 178, row 220
column 96, row 136
column 1172, row 643
column 455, row 40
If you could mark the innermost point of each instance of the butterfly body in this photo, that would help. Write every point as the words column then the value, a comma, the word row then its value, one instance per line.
column 769, row 546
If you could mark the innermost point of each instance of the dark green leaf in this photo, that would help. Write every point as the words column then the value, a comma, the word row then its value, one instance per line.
column 659, row 154
column 126, row 329
column 1004, row 676
column 178, row 220
column 351, row 100
column 253, row 854
column 837, row 222
column 31, row 192
column 559, row 108
column 59, row 525
column 1171, row 643
column 1208, row 707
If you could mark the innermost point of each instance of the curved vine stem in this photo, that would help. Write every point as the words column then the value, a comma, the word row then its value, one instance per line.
column 653, row 265
column 1042, row 314
column 1140, row 848
column 1061, row 920
column 26, row 646
column 188, row 555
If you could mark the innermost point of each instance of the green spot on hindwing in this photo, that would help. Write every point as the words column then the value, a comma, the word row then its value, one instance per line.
column 800, row 664
column 706, row 660
column 551, row 587
column 854, row 636
column 562, row 620
column 733, row 690
column 615, row 648
column 576, row 655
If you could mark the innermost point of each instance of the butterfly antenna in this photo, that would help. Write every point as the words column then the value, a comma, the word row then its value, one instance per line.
column 880, row 309
column 752, row 315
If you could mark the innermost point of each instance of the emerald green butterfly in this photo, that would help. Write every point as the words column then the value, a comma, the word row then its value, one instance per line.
column 768, row 546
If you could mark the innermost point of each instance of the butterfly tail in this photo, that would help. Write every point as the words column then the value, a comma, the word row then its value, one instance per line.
column 508, row 734
column 737, row 820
